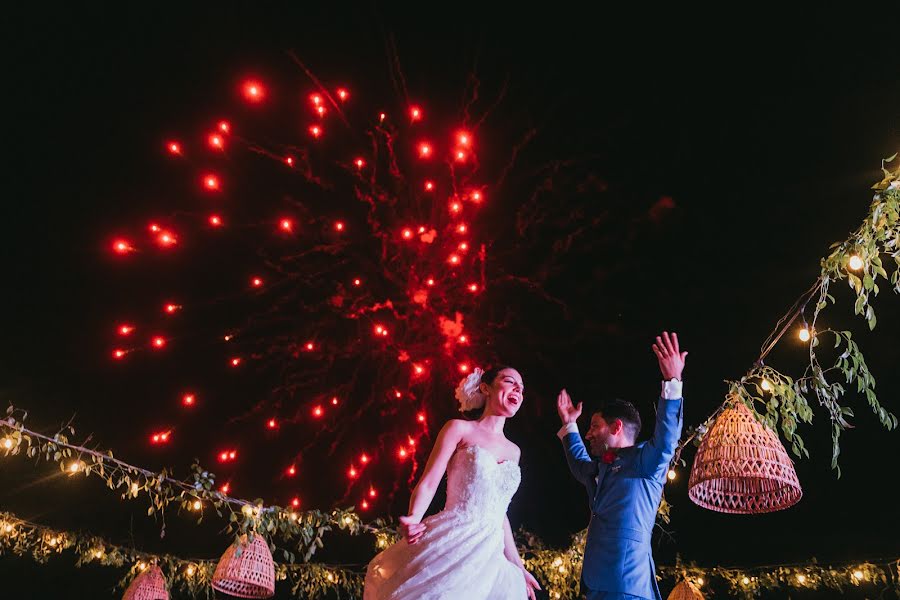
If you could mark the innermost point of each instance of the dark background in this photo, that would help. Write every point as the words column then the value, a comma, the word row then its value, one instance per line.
column 714, row 157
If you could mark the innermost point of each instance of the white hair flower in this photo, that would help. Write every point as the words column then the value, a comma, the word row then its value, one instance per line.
column 468, row 393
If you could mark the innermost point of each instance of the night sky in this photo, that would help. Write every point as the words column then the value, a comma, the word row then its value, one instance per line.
column 706, row 162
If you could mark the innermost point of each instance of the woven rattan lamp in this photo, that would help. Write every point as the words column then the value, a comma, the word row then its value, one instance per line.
column 246, row 570
column 742, row 467
column 149, row 585
column 685, row 590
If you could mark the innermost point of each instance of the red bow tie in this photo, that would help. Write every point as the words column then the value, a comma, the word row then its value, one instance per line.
column 608, row 457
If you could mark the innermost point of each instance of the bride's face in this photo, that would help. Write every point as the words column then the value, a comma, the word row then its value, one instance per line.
column 505, row 394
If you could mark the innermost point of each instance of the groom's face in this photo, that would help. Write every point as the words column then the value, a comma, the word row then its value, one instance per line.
column 598, row 435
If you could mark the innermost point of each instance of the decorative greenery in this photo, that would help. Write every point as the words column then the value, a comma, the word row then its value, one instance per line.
column 859, row 260
column 748, row 582
column 776, row 398
column 304, row 529
column 192, row 577
column 558, row 570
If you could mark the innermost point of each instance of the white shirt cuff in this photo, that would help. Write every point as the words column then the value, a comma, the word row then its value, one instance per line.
column 671, row 389
column 567, row 429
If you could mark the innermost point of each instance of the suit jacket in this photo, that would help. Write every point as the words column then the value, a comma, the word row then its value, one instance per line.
column 624, row 497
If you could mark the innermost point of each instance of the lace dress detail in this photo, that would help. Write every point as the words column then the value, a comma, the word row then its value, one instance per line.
column 460, row 555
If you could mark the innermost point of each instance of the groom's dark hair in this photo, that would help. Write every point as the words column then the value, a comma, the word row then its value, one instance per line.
column 625, row 411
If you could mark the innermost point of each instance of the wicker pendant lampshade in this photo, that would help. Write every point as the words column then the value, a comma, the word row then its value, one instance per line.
column 685, row 590
column 246, row 570
column 149, row 585
column 742, row 467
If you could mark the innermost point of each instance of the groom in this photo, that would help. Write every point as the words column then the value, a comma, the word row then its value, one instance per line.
column 624, row 481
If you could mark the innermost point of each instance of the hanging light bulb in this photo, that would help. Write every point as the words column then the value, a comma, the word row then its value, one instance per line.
column 855, row 263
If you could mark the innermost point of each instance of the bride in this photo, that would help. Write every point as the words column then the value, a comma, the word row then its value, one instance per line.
column 467, row 550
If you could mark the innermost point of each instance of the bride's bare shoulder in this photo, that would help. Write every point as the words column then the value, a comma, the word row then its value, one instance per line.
column 458, row 426
column 454, row 430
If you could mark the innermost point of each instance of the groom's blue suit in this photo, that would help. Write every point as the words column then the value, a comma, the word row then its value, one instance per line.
column 624, row 497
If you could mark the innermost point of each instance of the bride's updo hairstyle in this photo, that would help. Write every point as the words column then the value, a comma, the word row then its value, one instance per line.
column 469, row 395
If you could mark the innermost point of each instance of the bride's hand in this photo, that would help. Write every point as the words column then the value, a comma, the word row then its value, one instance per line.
column 411, row 529
column 531, row 584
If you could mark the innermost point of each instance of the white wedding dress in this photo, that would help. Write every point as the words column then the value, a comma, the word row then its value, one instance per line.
column 460, row 555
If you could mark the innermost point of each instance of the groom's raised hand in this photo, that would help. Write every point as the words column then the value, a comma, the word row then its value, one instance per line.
column 567, row 411
column 670, row 356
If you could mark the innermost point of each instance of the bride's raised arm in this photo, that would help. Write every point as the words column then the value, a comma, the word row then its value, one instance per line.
column 444, row 447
